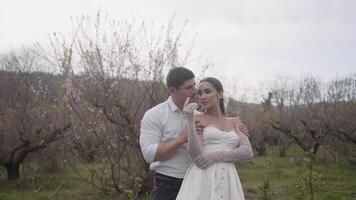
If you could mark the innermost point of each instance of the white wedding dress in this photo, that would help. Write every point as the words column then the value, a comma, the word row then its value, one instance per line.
column 220, row 180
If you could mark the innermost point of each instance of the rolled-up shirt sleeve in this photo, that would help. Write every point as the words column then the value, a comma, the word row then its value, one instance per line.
column 150, row 135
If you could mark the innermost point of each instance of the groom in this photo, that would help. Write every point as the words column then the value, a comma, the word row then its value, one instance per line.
column 164, row 135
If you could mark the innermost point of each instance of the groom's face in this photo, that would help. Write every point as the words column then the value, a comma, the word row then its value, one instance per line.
column 186, row 90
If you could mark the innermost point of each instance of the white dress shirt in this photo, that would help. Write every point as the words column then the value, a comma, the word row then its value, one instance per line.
column 159, row 124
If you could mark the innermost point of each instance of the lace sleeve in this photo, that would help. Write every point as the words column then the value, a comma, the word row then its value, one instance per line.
column 194, row 143
column 242, row 152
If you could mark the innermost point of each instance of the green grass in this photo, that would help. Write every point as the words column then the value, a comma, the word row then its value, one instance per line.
column 41, row 184
column 336, row 180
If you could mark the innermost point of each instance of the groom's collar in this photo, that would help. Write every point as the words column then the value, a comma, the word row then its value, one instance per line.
column 171, row 104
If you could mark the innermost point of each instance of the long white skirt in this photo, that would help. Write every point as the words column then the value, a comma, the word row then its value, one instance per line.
column 219, row 181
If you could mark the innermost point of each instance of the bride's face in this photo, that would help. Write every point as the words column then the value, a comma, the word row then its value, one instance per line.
column 208, row 96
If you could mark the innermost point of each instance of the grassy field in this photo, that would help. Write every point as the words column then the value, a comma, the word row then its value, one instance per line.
column 334, row 181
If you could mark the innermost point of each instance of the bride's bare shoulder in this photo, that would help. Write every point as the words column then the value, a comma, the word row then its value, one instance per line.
column 199, row 116
column 235, row 120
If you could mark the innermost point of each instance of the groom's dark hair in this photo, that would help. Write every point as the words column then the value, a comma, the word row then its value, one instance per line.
column 177, row 76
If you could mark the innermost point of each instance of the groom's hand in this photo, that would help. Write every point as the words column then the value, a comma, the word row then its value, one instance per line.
column 243, row 128
column 184, row 135
column 199, row 126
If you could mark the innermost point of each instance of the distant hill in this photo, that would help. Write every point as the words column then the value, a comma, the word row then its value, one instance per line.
column 53, row 83
column 15, row 80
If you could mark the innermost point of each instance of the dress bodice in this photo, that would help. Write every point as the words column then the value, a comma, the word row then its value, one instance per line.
column 215, row 139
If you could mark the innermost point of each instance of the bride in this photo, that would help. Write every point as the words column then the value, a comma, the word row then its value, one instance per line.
column 213, row 175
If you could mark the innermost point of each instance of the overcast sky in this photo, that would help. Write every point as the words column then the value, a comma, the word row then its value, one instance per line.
column 248, row 40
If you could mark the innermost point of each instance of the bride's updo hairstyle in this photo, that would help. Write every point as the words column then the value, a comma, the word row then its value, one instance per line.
column 218, row 86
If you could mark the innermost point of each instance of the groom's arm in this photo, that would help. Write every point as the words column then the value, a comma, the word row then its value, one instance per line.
column 166, row 149
column 150, row 139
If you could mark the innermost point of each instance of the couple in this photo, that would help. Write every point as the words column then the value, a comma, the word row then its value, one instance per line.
column 180, row 142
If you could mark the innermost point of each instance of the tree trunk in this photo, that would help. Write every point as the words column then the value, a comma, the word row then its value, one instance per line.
column 13, row 171
column 261, row 149
column 283, row 152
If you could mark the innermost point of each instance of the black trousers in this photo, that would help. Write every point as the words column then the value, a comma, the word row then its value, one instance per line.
column 166, row 187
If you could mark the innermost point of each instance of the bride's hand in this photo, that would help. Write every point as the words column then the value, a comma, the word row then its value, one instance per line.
column 188, row 108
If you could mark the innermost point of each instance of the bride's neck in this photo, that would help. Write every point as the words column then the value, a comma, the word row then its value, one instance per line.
column 213, row 113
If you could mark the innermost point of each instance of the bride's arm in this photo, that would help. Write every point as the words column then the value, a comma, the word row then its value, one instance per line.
column 194, row 142
column 195, row 149
column 243, row 151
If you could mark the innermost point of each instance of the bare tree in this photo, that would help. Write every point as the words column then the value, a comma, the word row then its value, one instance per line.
column 114, row 72
column 314, row 114
column 29, row 121
column 297, row 112
column 338, row 115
